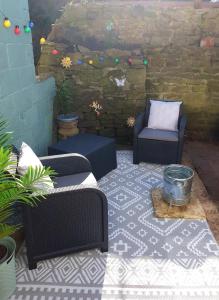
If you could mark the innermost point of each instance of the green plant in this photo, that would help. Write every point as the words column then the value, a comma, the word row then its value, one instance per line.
column 15, row 188
column 64, row 96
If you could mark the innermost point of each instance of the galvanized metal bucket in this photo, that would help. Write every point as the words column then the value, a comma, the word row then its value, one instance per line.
column 7, row 270
column 177, row 184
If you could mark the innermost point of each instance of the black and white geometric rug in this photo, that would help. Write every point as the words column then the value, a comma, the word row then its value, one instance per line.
column 148, row 258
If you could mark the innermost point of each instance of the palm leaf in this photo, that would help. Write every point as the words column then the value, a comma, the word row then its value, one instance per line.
column 15, row 194
column 6, row 229
column 16, row 188
column 5, row 214
column 4, row 136
column 5, row 160
column 35, row 175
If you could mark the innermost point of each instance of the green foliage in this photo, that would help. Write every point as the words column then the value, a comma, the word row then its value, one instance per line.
column 64, row 96
column 15, row 188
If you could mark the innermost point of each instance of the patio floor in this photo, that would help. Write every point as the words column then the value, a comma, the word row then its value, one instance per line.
column 148, row 258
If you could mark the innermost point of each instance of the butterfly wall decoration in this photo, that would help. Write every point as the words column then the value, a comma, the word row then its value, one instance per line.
column 120, row 81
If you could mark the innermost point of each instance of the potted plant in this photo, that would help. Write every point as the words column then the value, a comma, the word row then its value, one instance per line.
column 67, row 122
column 13, row 189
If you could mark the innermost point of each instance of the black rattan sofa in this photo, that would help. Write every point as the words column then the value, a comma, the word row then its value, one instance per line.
column 74, row 215
column 157, row 146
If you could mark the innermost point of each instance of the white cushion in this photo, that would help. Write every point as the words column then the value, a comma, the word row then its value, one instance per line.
column 164, row 115
column 28, row 158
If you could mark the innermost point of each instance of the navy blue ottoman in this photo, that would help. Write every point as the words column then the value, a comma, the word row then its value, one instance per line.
column 99, row 150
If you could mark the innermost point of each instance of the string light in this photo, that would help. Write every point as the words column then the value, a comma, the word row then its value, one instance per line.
column 42, row 41
column 31, row 24
column 6, row 23
column 17, row 30
column 101, row 59
column 55, row 52
column 145, row 61
column 80, row 62
column 117, row 60
column 27, row 29
column 129, row 61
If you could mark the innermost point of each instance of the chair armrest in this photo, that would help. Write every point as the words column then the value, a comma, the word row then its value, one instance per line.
column 67, row 164
column 182, row 126
column 69, row 192
column 73, row 188
column 139, row 123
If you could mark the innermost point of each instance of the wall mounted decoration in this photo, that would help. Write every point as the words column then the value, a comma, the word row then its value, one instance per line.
column 130, row 122
column 66, row 62
column 120, row 82
column 96, row 107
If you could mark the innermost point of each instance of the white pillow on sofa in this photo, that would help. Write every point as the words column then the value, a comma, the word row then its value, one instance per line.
column 28, row 158
column 164, row 115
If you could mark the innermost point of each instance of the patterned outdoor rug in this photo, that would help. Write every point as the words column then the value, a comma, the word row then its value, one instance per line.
column 149, row 258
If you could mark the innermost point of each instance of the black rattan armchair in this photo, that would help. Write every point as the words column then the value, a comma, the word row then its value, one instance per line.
column 157, row 146
column 74, row 215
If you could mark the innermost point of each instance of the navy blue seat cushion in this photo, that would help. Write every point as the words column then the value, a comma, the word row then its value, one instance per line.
column 158, row 134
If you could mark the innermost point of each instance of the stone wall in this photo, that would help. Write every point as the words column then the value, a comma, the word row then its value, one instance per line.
column 169, row 37
column 26, row 103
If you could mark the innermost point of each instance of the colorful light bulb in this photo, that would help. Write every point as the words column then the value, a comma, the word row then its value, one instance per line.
column 117, row 60
column 27, row 29
column 129, row 61
column 6, row 23
column 55, row 52
column 109, row 26
column 42, row 41
column 31, row 24
column 145, row 61
column 90, row 62
column 101, row 59
column 17, row 30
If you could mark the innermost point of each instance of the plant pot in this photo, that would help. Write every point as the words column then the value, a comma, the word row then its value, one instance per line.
column 67, row 125
column 197, row 4
column 7, row 269
column 207, row 42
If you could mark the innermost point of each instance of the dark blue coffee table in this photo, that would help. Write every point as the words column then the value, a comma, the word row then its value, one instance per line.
column 99, row 150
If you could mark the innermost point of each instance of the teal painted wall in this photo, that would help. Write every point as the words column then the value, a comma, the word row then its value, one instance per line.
column 25, row 102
